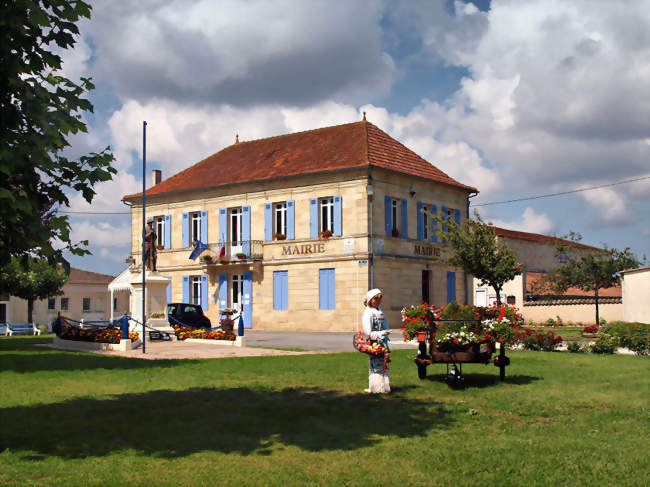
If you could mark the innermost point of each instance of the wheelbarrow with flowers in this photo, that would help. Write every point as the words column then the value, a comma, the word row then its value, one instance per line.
column 457, row 341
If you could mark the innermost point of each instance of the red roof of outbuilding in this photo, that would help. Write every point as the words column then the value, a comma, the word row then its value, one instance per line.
column 538, row 237
column 353, row 145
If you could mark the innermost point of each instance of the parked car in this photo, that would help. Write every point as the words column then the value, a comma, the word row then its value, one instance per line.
column 187, row 314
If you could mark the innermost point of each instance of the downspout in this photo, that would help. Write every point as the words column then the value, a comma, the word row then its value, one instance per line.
column 467, row 284
column 371, row 251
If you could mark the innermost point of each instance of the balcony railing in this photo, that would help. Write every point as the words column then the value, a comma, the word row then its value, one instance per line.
column 232, row 252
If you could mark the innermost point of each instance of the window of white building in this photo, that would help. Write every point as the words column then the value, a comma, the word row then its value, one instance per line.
column 326, row 214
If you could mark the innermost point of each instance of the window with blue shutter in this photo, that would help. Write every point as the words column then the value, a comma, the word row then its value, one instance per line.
column 186, row 231
column 247, row 302
column 327, row 288
column 457, row 217
column 268, row 222
column 204, row 227
column 223, row 226
column 405, row 219
column 280, row 290
column 313, row 218
column 223, row 291
column 246, row 229
column 291, row 220
column 388, row 211
column 338, row 210
column 420, row 220
column 168, row 232
column 434, row 223
column 169, row 292
column 186, row 289
column 451, row 286
column 204, row 292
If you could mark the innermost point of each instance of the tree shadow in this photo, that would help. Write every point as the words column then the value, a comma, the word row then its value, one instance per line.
column 170, row 423
column 22, row 355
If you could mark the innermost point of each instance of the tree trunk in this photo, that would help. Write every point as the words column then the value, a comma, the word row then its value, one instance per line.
column 498, row 291
column 30, row 310
column 597, row 315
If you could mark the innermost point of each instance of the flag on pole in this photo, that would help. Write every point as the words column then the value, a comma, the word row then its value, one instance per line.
column 200, row 247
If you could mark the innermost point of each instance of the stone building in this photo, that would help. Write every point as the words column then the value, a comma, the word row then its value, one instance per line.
column 266, row 209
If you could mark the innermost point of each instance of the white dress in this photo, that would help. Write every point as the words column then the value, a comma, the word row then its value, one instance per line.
column 374, row 322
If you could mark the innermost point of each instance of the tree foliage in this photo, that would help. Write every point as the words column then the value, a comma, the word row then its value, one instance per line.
column 589, row 271
column 39, row 110
column 480, row 253
column 32, row 279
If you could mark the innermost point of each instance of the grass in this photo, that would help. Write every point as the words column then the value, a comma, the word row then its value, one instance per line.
column 82, row 419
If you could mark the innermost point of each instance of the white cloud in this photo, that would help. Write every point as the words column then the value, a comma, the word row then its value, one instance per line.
column 112, row 254
column 529, row 221
column 609, row 206
column 108, row 197
column 102, row 234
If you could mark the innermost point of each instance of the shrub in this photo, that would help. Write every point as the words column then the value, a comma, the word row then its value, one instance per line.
column 635, row 336
column 575, row 347
column 590, row 329
column 605, row 343
column 538, row 341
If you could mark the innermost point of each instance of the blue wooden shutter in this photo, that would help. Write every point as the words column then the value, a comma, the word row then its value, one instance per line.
column 247, row 307
column 280, row 290
column 405, row 219
column 223, row 226
column 420, row 220
column 338, row 210
column 451, row 286
column 204, row 292
column 313, row 218
column 388, row 213
column 223, row 290
column 457, row 217
column 186, row 289
column 434, row 223
column 246, row 229
column 445, row 228
column 186, row 230
column 168, row 232
column 169, row 292
column 204, row 227
column 268, row 222
column 291, row 220
column 327, row 282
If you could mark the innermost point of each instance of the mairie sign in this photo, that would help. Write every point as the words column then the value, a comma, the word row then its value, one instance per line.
column 426, row 251
column 303, row 249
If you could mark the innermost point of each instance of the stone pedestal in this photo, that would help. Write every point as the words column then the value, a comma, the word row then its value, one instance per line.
column 155, row 296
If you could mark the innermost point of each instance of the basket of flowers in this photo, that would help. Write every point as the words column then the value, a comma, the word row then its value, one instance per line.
column 364, row 345
column 326, row 234
column 417, row 320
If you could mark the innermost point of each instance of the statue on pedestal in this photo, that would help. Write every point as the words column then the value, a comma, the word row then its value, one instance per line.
column 150, row 250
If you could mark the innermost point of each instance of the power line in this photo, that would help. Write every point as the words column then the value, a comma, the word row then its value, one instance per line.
column 563, row 192
column 94, row 213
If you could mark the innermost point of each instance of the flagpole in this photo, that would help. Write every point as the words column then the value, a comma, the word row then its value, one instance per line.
column 144, row 227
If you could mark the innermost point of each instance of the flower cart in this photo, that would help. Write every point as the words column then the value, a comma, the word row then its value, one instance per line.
column 457, row 341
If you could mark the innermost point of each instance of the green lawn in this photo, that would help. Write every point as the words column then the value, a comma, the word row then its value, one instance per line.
column 81, row 419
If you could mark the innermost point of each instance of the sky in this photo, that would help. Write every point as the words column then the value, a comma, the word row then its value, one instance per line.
column 519, row 99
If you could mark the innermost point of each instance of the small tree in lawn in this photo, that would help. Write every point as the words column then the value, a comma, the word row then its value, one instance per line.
column 32, row 279
column 480, row 253
column 590, row 271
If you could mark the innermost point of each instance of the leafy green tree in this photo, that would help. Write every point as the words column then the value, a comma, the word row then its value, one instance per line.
column 40, row 110
column 32, row 279
column 589, row 271
column 479, row 252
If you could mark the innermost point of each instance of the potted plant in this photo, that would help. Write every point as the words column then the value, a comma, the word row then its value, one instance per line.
column 240, row 255
column 223, row 260
column 207, row 259
column 395, row 232
column 416, row 320
column 280, row 236
column 160, row 247
column 326, row 234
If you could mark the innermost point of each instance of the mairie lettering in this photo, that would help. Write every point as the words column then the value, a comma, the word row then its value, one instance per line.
column 426, row 251
column 303, row 249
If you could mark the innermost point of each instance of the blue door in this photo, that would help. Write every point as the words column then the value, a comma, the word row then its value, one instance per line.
column 247, row 301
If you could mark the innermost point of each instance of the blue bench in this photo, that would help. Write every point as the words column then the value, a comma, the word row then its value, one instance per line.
column 21, row 328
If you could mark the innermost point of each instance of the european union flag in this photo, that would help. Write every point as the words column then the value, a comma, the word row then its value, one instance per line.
column 200, row 247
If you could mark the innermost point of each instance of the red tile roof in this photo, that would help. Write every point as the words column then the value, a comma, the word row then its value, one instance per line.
column 537, row 237
column 78, row 276
column 611, row 292
column 353, row 145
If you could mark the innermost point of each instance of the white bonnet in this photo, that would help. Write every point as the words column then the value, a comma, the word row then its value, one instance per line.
column 371, row 294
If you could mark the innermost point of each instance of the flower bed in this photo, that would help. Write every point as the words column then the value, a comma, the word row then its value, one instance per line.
column 184, row 332
column 98, row 335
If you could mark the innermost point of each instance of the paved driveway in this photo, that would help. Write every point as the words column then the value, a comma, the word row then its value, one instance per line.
column 316, row 341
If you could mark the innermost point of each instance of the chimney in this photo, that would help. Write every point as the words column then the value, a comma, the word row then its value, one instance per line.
column 156, row 177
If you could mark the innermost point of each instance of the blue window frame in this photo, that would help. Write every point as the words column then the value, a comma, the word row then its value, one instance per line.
column 327, row 281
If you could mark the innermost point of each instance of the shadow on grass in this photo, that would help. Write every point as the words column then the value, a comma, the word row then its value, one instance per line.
column 474, row 380
column 169, row 423
column 21, row 355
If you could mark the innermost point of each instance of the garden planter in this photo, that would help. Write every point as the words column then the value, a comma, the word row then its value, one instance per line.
column 422, row 336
